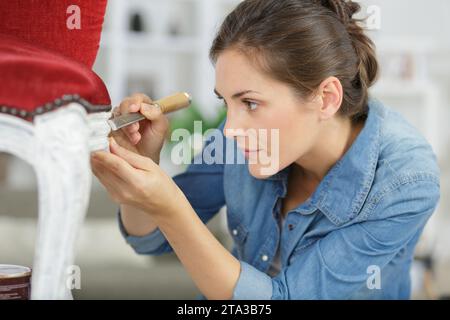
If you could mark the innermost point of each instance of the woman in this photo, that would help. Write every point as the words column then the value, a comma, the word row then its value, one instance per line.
column 354, row 184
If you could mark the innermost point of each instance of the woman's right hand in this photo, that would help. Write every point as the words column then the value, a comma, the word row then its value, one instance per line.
column 145, row 137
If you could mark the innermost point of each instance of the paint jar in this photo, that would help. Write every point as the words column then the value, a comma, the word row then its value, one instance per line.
column 15, row 282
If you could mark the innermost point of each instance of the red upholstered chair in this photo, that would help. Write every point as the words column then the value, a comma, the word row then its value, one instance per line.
column 53, row 111
column 52, row 24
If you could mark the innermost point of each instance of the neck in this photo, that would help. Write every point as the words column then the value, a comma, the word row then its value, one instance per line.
column 332, row 144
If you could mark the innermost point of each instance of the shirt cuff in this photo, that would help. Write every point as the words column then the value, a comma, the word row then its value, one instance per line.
column 146, row 244
column 252, row 284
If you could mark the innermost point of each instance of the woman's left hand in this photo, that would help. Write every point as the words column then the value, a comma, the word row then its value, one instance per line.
column 137, row 181
column 134, row 180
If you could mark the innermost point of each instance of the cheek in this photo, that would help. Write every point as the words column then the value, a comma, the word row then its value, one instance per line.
column 273, row 125
column 296, row 138
column 277, row 143
column 287, row 136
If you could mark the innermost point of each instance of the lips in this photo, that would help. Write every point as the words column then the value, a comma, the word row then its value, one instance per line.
column 248, row 153
column 245, row 150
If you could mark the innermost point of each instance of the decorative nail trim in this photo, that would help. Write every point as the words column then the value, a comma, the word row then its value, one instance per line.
column 51, row 106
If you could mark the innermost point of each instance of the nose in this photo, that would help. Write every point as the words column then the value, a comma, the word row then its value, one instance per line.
column 235, row 122
column 226, row 129
column 231, row 128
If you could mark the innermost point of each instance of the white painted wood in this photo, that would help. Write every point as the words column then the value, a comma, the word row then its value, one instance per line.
column 57, row 145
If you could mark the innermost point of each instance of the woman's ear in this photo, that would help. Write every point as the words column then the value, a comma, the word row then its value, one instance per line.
column 331, row 94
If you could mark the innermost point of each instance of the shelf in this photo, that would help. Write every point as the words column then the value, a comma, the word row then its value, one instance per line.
column 164, row 62
column 403, row 88
column 160, row 44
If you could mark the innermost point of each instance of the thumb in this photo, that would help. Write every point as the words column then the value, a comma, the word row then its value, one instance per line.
column 151, row 111
column 134, row 159
column 154, row 113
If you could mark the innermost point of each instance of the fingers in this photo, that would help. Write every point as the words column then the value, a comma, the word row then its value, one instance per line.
column 131, row 105
column 131, row 131
column 116, row 111
column 122, row 139
column 154, row 113
column 106, row 176
column 112, row 164
column 112, row 183
column 142, row 98
column 133, row 128
column 134, row 159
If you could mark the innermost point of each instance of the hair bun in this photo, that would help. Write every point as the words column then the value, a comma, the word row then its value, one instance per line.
column 364, row 47
column 344, row 9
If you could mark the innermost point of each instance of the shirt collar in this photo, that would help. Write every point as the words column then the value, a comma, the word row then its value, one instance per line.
column 343, row 191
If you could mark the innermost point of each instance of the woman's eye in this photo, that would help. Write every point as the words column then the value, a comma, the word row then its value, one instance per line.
column 224, row 102
column 251, row 105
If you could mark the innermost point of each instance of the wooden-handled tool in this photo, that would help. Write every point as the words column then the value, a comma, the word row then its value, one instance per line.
column 169, row 104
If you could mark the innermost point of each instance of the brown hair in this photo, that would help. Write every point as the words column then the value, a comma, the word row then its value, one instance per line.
column 302, row 42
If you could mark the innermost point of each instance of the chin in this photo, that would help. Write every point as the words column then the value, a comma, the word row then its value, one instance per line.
column 263, row 171
column 264, row 165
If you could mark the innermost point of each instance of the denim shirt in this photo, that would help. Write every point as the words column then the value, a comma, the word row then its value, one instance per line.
column 354, row 238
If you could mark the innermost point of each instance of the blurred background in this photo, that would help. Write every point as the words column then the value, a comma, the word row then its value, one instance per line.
column 161, row 46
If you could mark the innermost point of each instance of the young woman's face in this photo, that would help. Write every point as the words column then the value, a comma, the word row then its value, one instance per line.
column 271, row 124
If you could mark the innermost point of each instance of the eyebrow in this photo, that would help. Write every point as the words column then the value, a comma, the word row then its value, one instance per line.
column 236, row 95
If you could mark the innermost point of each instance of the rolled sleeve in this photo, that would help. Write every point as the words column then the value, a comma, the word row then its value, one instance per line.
column 153, row 243
column 196, row 183
column 252, row 284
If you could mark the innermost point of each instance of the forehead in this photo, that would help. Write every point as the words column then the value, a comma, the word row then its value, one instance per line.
column 234, row 70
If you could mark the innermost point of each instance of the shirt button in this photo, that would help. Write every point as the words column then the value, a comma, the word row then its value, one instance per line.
column 264, row 258
column 291, row 227
column 235, row 232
